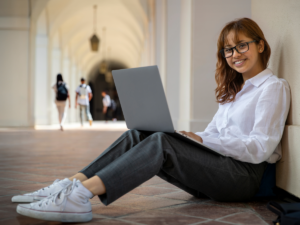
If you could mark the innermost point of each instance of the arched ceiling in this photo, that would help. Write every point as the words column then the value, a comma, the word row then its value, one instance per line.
column 126, row 23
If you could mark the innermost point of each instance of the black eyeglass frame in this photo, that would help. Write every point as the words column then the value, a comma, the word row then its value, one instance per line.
column 222, row 50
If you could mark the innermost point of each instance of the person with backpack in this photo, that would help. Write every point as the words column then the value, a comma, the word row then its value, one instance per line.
column 62, row 94
column 83, row 98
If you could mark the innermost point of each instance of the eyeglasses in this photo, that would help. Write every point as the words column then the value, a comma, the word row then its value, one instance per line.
column 240, row 48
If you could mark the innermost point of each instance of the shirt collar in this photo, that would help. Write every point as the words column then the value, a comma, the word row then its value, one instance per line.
column 261, row 77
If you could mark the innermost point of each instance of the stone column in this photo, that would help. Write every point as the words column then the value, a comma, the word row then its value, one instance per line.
column 14, row 70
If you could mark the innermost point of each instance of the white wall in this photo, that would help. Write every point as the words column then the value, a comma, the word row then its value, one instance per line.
column 186, row 39
column 160, row 48
column 281, row 26
column 14, row 66
column 173, row 57
column 209, row 17
column 41, row 94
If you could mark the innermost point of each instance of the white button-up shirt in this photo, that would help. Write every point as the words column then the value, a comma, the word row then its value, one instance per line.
column 106, row 101
column 250, row 128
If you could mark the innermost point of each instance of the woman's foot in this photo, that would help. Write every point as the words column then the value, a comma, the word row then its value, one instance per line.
column 71, row 204
column 61, row 128
column 57, row 186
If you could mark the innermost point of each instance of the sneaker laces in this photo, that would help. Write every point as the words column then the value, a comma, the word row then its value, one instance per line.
column 43, row 189
column 66, row 191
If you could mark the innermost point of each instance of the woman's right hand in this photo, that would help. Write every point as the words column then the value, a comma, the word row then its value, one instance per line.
column 192, row 135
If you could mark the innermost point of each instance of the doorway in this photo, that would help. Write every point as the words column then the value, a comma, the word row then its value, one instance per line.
column 100, row 79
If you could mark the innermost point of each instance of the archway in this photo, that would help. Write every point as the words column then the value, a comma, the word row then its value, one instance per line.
column 100, row 79
column 61, row 45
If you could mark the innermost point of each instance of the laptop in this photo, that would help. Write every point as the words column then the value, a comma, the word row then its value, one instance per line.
column 144, row 103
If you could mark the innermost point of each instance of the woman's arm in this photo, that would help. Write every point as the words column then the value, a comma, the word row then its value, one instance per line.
column 211, row 130
column 270, row 116
column 192, row 135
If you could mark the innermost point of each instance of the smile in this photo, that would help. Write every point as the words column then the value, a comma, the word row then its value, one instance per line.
column 237, row 63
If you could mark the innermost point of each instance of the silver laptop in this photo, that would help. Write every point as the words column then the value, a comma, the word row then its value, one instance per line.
column 144, row 103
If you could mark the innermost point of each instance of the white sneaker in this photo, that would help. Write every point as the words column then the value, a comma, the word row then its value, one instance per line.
column 69, row 205
column 38, row 195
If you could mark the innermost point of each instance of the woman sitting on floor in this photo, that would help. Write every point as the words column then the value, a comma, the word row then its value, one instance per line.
column 247, row 128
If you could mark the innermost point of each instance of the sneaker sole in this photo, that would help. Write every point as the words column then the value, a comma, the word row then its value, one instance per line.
column 67, row 217
column 25, row 199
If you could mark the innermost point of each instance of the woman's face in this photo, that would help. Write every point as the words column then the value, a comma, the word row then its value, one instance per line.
column 247, row 63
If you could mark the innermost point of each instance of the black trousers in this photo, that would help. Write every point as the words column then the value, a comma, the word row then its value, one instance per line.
column 137, row 156
column 107, row 114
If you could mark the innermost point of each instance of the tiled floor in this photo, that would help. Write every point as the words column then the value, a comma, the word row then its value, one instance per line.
column 30, row 160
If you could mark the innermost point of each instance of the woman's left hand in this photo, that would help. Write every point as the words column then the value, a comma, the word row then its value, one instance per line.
column 192, row 135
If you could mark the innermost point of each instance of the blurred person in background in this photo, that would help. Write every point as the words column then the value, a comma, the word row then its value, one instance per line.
column 83, row 98
column 106, row 105
column 62, row 94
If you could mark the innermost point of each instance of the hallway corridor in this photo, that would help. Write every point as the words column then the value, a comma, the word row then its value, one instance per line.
column 30, row 160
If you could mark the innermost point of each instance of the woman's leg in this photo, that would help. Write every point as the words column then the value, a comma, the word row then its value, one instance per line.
column 63, row 108
column 88, row 113
column 78, row 176
column 218, row 177
column 58, row 106
column 81, row 114
column 124, row 143
column 189, row 167
column 119, row 147
column 61, row 112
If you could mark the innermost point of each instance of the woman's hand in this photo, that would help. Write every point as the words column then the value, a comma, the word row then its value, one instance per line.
column 192, row 135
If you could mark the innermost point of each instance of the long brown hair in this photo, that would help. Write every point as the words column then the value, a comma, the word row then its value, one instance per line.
column 229, row 81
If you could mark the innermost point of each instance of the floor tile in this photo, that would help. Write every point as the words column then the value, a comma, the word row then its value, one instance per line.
column 229, row 204
column 244, row 218
column 28, row 187
column 5, row 183
column 23, row 220
column 32, row 160
column 7, row 214
column 159, row 218
column 214, row 223
column 261, row 208
column 5, row 200
column 203, row 210
column 145, row 202
column 113, row 210
column 182, row 195
column 7, row 191
column 153, row 181
column 168, row 185
column 150, row 191
column 110, row 222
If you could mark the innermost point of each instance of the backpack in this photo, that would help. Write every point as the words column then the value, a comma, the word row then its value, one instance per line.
column 83, row 91
column 288, row 213
column 113, row 105
column 62, row 92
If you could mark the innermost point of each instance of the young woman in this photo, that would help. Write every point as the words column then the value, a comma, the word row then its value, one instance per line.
column 61, row 95
column 247, row 128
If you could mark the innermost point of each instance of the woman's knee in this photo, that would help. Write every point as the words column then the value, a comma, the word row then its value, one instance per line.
column 132, row 132
column 160, row 135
